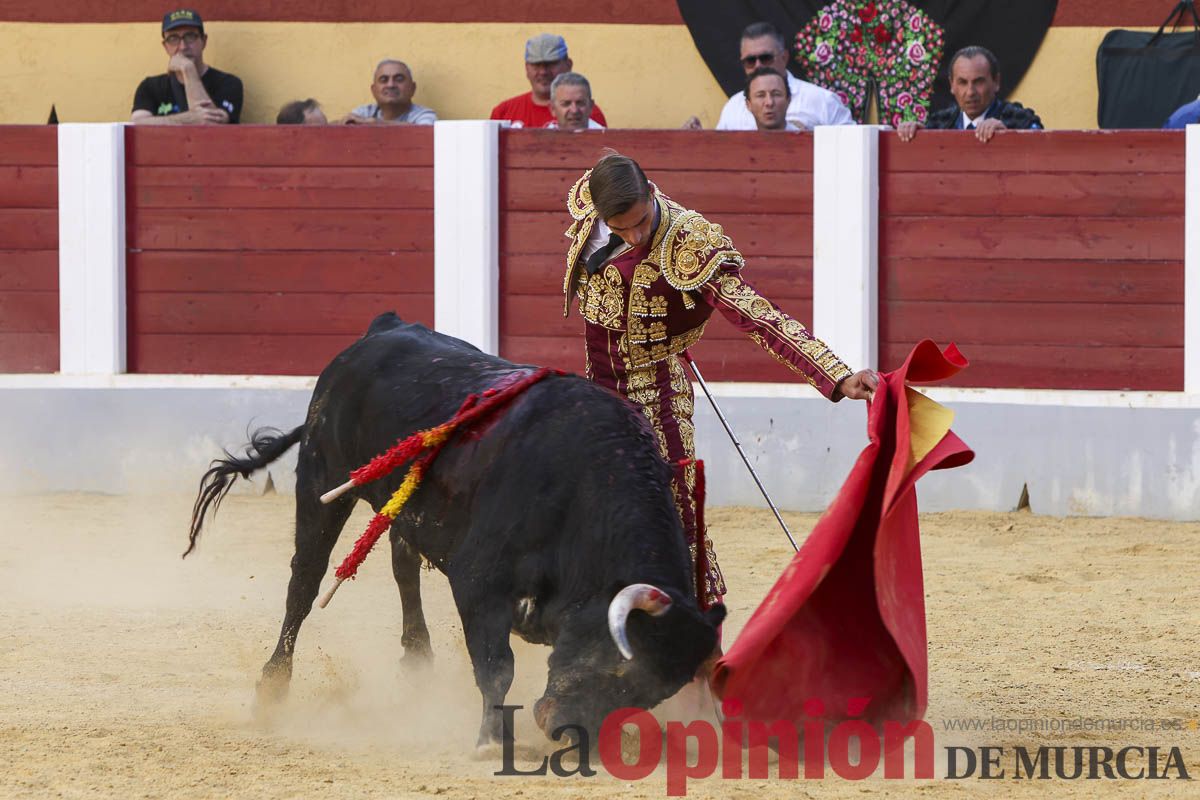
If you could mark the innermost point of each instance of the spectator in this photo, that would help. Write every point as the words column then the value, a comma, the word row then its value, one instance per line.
column 1186, row 114
column 975, row 82
column 545, row 59
column 393, row 88
column 571, row 102
column 767, row 98
column 808, row 106
column 190, row 92
column 301, row 112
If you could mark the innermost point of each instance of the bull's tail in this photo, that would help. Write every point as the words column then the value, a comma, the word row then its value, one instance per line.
column 266, row 445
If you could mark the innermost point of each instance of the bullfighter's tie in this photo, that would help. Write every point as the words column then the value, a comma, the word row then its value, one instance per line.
column 596, row 260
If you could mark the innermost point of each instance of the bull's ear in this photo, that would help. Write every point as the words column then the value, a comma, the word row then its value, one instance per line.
column 715, row 615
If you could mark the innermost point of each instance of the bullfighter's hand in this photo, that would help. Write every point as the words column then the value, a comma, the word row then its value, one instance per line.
column 987, row 128
column 859, row 386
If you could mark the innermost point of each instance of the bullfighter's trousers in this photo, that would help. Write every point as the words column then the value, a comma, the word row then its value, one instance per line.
column 664, row 395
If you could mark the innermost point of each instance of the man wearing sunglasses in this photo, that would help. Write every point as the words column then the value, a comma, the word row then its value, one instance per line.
column 809, row 105
column 190, row 92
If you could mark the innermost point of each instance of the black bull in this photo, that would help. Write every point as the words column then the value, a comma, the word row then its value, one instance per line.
column 542, row 523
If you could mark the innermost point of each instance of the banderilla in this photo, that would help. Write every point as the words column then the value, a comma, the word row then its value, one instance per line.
column 725, row 423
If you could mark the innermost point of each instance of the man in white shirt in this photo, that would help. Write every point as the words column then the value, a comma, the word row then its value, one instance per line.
column 767, row 98
column 809, row 106
column 571, row 102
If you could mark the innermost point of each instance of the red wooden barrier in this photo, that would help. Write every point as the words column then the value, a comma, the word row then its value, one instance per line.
column 28, row 249
column 266, row 250
column 1054, row 260
column 758, row 187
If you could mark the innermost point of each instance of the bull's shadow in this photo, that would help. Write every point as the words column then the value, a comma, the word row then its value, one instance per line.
column 555, row 521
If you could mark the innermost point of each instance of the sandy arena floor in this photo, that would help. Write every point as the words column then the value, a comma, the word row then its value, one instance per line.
column 128, row 673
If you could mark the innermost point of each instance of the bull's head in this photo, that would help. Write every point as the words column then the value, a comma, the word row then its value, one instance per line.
column 655, row 643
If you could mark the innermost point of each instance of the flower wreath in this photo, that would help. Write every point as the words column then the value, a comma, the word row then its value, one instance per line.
column 851, row 43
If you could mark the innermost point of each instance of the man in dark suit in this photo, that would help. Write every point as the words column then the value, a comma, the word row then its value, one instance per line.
column 975, row 82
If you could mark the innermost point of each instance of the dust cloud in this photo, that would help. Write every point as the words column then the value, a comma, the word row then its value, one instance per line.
column 128, row 672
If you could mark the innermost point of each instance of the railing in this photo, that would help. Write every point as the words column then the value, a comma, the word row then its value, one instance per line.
column 1054, row 259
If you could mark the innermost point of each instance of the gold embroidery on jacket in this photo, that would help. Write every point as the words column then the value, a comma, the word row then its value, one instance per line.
column 693, row 250
column 602, row 298
column 640, row 356
column 732, row 291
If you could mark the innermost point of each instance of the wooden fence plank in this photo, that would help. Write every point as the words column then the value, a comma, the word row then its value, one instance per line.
column 29, row 145
column 1032, row 280
column 29, row 229
column 196, row 271
column 29, row 312
column 1031, row 194
column 282, row 187
column 654, row 150
column 236, row 354
column 271, row 313
column 29, row 270
column 1083, row 238
column 282, row 145
column 1057, row 367
column 1129, row 152
column 28, row 352
column 282, row 229
column 1063, row 324
column 28, row 187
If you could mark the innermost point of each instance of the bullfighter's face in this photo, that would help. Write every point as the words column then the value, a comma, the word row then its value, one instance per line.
column 635, row 224
column 589, row 679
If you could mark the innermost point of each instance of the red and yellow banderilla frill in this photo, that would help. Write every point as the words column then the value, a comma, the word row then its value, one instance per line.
column 426, row 444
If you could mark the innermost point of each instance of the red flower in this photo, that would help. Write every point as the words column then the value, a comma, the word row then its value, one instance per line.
column 868, row 12
column 856, row 34
column 883, row 35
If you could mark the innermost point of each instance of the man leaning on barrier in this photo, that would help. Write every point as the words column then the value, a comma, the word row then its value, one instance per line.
column 975, row 84
column 572, row 104
column 393, row 87
column 190, row 92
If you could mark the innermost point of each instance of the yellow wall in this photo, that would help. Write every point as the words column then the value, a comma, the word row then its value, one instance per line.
column 642, row 75
column 462, row 70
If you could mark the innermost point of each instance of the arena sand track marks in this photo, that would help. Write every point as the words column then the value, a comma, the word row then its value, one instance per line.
column 129, row 673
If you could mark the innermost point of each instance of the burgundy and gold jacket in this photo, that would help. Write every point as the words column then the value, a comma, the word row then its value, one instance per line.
column 653, row 303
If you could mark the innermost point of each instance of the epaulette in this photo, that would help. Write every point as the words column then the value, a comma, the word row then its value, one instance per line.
column 693, row 250
column 583, row 219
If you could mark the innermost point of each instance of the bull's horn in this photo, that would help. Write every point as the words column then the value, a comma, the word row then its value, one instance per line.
column 652, row 600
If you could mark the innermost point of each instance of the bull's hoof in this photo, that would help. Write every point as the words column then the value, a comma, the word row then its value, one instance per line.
column 272, row 688
column 488, row 751
column 417, row 656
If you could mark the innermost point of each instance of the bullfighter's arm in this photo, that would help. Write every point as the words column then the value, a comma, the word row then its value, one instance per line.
column 788, row 341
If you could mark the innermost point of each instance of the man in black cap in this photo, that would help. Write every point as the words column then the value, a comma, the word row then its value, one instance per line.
column 190, row 92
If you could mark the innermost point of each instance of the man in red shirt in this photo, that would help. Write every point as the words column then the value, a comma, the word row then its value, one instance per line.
column 545, row 59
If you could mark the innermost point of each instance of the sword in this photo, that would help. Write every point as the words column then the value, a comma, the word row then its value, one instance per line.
column 724, row 422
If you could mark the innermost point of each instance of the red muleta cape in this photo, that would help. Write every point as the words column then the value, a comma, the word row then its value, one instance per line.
column 845, row 623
